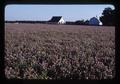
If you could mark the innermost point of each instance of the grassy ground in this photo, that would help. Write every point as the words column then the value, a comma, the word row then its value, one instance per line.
column 42, row 51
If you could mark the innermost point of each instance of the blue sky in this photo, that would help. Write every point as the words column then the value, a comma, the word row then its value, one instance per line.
column 45, row 12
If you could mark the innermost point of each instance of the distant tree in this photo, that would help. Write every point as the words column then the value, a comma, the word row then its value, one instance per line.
column 86, row 22
column 108, row 17
column 82, row 22
column 79, row 22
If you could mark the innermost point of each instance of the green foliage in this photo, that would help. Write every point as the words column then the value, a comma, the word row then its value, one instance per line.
column 82, row 22
column 108, row 17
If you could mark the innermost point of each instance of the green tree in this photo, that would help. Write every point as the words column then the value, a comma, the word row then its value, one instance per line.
column 86, row 22
column 108, row 17
column 80, row 22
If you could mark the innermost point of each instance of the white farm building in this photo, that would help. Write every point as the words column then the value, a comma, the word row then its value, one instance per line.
column 57, row 20
column 94, row 21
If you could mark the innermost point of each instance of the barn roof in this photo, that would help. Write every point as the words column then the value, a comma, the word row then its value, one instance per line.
column 55, row 19
column 94, row 21
column 94, row 18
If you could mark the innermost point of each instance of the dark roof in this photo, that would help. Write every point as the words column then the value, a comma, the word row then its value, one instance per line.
column 55, row 19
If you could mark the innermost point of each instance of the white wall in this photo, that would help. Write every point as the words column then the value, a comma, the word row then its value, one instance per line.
column 61, row 21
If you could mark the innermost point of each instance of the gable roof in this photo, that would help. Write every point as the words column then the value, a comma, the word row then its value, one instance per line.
column 94, row 18
column 55, row 19
column 94, row 21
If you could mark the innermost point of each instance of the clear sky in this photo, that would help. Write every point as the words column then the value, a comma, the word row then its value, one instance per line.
column 45, row 12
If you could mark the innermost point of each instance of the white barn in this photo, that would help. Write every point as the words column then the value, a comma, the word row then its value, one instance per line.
column 94, row 21
column 57, row 20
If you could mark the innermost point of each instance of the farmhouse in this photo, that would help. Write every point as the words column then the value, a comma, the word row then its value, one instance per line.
column 57, row 20
column 94, row 21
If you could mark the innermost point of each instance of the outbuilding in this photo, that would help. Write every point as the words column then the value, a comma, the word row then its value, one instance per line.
column 57, row 20
column 94, row 21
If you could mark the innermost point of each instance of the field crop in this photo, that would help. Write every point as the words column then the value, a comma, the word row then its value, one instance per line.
column 42, row 51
